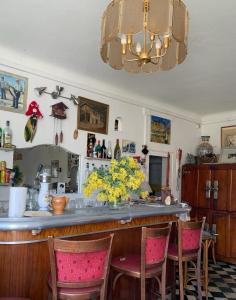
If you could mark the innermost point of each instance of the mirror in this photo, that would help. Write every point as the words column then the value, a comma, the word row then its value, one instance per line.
column 63, row 164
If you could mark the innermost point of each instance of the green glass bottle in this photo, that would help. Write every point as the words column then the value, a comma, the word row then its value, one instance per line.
column 117, row 151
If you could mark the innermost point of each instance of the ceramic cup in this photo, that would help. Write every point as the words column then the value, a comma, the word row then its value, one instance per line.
column 58, row 203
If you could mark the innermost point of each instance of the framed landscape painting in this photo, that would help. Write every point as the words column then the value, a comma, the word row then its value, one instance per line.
column 228, row 137
column 160, row 130
column 13, row 92
column 92, row 116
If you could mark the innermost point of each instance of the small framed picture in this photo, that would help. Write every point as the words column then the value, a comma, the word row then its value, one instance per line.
column 128, row 147
column 228, row 137
column 13, row 92
column 160, row 130
column 92, row 116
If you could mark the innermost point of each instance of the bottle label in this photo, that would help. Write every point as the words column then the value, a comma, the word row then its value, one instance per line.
column 7, row 139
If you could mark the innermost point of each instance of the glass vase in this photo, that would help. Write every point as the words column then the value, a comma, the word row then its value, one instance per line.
column 205, row 148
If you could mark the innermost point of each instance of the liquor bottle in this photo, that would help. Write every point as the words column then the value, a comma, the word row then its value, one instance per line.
column 86, row 173
column 7, row 136
column 109, row 150
column 1, row 137
column 104, row 149
column 117, row 151
column 90, row 148
column 98, row 150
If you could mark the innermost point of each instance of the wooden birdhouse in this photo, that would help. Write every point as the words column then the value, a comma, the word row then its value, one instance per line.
column 59, row 110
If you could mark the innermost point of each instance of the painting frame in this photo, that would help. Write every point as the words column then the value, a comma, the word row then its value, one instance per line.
column 128, row 146
column 13, row 92
column 92, row 116
column 55, row 168
column 160, row 130
column 228, row 137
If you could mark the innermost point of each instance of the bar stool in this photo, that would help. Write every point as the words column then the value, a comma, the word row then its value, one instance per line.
column 151, row 263
column 79, row 269
column 187, row 249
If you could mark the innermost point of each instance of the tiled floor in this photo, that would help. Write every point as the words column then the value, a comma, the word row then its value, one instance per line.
column 222, row 283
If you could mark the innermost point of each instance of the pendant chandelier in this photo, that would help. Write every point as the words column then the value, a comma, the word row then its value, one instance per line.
column 144, row 35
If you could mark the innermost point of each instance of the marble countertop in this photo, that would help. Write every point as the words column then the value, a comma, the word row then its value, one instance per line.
column 89, row 216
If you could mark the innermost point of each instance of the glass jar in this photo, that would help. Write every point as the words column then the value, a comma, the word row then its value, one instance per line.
column 205, row 148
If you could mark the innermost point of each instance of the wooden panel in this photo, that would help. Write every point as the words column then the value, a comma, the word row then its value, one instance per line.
column 221, row 221
column 25, row 267
column 232, row 193
column 232, row 236
column 204, row 212
column 13, row 236
column 223, row 178
column 204, row 174
column 189, row 185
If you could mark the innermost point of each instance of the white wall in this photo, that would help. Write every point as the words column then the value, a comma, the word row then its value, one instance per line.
column 184, row 135
column 135, row 122
column 211, row 125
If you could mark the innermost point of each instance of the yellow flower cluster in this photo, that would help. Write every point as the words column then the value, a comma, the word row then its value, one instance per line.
column 121, row 179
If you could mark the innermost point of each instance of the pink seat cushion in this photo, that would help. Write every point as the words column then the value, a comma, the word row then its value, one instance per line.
column 130, row 262
column 190, row 239
column 77, row 267
column 81, row 291
column 155, row 249
column 173, row 251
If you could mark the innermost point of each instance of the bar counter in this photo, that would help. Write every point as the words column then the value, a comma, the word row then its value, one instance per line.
column 24, row 260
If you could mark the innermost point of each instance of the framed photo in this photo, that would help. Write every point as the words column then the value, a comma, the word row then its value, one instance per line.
column 228, row 137
column 55, row 168
column 128, row 147
column 93, row 116
column 13, row 92
column 160, row 130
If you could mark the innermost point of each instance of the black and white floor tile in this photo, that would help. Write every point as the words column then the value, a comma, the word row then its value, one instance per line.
column 222, row 283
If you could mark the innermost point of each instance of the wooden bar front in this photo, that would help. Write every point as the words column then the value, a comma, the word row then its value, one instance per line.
column 24, row 260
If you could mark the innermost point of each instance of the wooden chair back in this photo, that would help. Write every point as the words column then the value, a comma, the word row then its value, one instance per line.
column 154, row 246
column 190, row 236
column 67, row 257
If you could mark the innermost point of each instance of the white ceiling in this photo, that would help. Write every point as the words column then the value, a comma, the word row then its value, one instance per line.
column 66, row 33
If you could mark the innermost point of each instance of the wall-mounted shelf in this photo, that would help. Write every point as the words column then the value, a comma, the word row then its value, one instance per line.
column 96, row 158
column 6, row 149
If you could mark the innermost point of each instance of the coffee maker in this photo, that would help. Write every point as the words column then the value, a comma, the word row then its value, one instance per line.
column 45, row 181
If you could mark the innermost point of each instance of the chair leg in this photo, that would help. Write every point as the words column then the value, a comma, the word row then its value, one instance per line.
column 213, row 252
column 173, row 290
column 198, row 275
column 163, row 283
column 143, row 289
column 181, row 281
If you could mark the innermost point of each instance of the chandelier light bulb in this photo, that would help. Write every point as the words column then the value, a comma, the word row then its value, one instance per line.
column 158, row 44
column 138, row 48
column 123, row 39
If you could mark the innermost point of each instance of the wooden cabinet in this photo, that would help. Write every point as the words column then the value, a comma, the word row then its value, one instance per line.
column 189, row 184
column 212, row 191
column 221, row 221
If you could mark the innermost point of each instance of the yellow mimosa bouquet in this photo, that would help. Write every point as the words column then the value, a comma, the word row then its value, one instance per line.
column 116, row 183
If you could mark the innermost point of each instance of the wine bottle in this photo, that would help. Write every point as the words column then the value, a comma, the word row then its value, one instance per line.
column 7, row 136
column 1, row 137
column 90, row 148
column 104, row 149
column 109, row 150
column 98, row 150
column 117, row 151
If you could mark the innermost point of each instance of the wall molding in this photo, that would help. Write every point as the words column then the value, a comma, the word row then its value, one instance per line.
column 68, row 78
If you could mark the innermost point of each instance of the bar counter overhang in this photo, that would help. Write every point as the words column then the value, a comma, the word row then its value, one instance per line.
column 24, row 259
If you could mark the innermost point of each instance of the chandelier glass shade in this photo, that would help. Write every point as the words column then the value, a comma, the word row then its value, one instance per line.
column 144, row 35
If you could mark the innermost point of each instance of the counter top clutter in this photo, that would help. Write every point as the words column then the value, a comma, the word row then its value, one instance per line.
column 90, row 215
